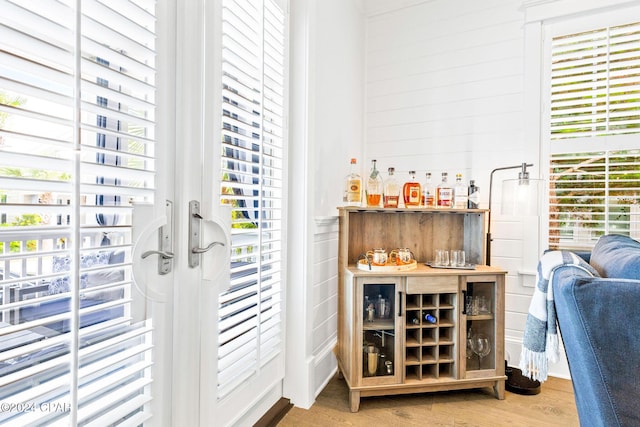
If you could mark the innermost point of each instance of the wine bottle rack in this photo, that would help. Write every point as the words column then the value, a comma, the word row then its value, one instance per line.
column 430, row 348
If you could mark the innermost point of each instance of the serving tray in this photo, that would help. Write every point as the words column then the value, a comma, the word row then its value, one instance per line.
column 364, row 265
column 448, row 267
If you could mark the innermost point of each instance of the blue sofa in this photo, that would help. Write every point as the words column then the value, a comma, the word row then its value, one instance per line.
column 598, row 319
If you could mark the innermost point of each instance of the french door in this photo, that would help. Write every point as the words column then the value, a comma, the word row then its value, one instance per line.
column 86, row 221
column 231, row 99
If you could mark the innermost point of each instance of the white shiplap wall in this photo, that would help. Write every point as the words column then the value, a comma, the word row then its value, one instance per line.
column 444, row 93
column 325, row 298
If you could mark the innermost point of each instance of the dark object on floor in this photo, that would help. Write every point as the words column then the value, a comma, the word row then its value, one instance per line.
column 517, row 383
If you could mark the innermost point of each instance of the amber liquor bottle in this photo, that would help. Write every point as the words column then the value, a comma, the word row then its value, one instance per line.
column 391, row 191
column 374, row 186
column 411, row 191
column 428, row 190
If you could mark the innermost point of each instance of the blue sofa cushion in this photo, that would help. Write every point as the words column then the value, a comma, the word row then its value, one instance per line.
column 596, row 318
column 616, row 256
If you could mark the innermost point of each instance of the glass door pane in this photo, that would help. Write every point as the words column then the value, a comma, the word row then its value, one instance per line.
column 479, row 308
column 77, row 153
column 378, row 331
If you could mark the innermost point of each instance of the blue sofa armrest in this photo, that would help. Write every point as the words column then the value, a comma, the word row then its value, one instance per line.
column 597, row 319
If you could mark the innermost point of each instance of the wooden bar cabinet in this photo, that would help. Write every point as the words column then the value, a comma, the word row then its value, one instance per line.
column 420, row 329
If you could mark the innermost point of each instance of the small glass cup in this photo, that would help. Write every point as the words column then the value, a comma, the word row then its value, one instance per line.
column 458, row 258
column 442, row 258
column 483, row 308
column 469, row 306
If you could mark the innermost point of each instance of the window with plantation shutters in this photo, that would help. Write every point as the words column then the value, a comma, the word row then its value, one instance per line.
column 250, row 312
column 77, row 120
column 593, row 194
column 594, row 83
column 594, row 129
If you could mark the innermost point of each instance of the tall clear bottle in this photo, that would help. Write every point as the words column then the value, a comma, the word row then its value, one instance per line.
column 374, row 186
column 444, row 193
column 460, row 193
column 411, row 191
column 474, row 195
column 353, row 186
column 391, row 190
column 428, row 192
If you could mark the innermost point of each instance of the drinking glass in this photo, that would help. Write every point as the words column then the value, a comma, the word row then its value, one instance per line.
column 458, row 258
column 483, row 308
column 469, row 306
column 454, row 258
column 481, row 346
column 442, row 257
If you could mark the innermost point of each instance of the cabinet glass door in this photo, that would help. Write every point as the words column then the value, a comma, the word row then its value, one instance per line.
column 479, row 308
column 379, row 331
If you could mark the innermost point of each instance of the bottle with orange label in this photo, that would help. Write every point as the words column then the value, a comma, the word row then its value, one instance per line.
column 374, row 186
column 353, row 186
column 411, row 191
column 428, row 193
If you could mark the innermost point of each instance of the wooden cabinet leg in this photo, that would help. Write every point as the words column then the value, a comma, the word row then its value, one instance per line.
column 498, row 390
column 340, row 376
column 354, row 400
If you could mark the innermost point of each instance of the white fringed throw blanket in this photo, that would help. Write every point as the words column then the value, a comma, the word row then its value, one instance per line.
column 540, row 342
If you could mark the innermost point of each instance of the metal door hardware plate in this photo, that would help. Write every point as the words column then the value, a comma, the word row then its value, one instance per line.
column 194, row 232
column 165, row 237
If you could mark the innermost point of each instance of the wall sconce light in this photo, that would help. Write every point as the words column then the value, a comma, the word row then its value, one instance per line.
column 520, row 197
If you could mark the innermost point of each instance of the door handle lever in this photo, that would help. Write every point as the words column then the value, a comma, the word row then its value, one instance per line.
column 163, row 254
column 195, row 223
column 164, row 226
column 203, row 250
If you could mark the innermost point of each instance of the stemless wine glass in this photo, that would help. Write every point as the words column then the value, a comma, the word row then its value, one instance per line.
column 442, row 257
column 481, row 346
column 458, row 258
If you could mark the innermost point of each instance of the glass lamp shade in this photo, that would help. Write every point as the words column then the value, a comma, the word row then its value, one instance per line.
column 521, row 197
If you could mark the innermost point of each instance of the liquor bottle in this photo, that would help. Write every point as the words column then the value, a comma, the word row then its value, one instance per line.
column 460, row 193
column 444, row 193
column 411, row 191
column 353, row 186
column 429, row 318
column 374, row 186
column 428, row 190
column 391, row 191
column 474, row 196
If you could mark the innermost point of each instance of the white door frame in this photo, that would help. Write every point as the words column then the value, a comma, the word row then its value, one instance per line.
column 188, row 186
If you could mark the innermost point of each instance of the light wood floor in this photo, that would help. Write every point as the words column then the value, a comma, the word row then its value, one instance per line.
column 554, row 406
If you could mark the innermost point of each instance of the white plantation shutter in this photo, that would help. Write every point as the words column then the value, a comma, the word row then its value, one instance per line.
column 71, row 139
column 594, row 83
column 593, row 194
column 250, row 312
column 594, row 122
